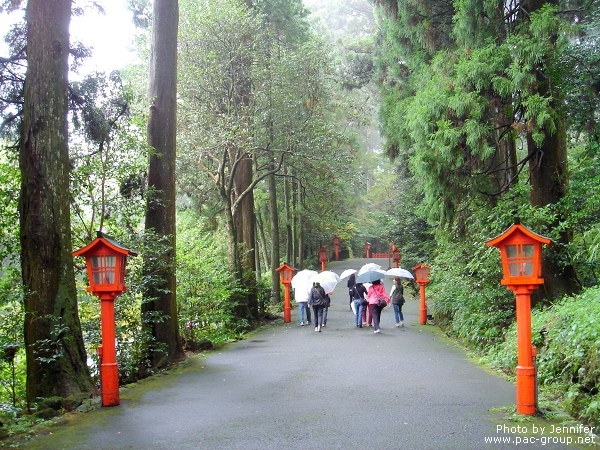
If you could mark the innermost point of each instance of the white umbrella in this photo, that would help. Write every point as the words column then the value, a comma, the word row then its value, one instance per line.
column 400, row 272
column 327, row 279
column 368, row 267
column 302, row 278
column 347, row 273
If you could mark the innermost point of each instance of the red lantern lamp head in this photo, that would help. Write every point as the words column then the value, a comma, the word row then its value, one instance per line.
column 323, row 254
column 336, row 240
column 396, row 255
column 286, row 273
column 105, row 261
column 521, row 253
column 421, row 273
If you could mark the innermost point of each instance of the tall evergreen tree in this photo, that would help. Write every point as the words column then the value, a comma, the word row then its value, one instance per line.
column 160, row 306
column 56, row 357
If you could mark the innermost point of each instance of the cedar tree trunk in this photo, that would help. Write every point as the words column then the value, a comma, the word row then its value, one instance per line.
column 56, row 357
column 160, row 213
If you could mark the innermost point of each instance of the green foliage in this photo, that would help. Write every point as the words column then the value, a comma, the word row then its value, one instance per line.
column 10, row 179
column 204, row 285
column 12, row 352
column 109, row 157
column 466, row 298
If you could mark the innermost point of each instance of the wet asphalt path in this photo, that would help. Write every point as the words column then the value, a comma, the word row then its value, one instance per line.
column 288, row 387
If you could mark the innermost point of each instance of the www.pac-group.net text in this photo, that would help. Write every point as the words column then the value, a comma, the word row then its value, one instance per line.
column 544, row 435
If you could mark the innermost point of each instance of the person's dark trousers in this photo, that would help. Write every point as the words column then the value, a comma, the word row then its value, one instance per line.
column 376, row 314
column 318, row 316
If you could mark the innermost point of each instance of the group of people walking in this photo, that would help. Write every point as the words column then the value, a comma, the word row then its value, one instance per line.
column 367, row 303
column 317, row 299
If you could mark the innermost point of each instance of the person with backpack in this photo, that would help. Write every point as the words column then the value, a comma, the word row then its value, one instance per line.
column 317, row 301
column 378, row 299
column 351, row 283
column 397, row 297
column 359, row 297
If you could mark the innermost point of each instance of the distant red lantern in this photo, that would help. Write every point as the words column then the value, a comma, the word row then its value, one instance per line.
column 336, row 247
column 286, row 273
column 323, row 257
column 395, row 255
column 422, row 278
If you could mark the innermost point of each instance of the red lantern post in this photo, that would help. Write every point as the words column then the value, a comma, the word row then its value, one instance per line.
column 323, row 257
column 422, row 278
column 336, row 247
column 286, row 273
column 521, row 253
column 106, row 261
column 367, row 249
column 395, row 255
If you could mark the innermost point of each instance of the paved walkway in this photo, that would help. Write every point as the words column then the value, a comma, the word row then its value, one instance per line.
column 288, row 387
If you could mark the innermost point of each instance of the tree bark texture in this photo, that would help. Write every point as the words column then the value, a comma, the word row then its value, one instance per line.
column 549, row 179
column 246, row 233
column 56, row 357
column 160, row 214
column 275, row 263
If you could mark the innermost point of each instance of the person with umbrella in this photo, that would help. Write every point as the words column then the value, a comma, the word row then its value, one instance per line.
column 397, row 297
column 369, row 273
column 302, row 284
column 359, row 293
column 350, row 284
column 374, row 294
column 301, row 294
column 317, row 301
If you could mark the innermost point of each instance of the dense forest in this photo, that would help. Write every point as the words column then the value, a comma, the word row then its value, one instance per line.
column 250, row 133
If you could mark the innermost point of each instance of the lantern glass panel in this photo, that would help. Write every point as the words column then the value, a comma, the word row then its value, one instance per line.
column 286, row 275
column 103, row 268
column 122, row 269
column 520, row 260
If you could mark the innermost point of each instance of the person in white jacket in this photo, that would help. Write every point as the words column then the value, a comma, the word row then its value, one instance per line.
column 301, row 294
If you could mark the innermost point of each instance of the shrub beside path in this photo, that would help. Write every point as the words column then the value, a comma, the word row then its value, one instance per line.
column 289, row 387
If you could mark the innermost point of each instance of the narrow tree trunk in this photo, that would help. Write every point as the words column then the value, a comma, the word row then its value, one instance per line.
column 275, row 263
column 160, row 213
column 264, row 255
column 287, row 195
column 56, row 357
column 300, row 229
column 246, row 235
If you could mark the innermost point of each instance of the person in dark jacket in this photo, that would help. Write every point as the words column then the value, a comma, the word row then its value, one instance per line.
column 317, row 301
column 359, row 297
column 350, row 284
column 397, row 297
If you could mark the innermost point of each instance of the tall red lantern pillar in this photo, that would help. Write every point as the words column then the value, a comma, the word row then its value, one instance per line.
column 286, row 273
column 106, row 261
column 422, row 278
column 336, row 247
column 521, row 253
column 367, row 249
column 323, row 257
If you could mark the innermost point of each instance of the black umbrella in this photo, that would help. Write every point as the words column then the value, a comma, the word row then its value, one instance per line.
column 370, row 276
